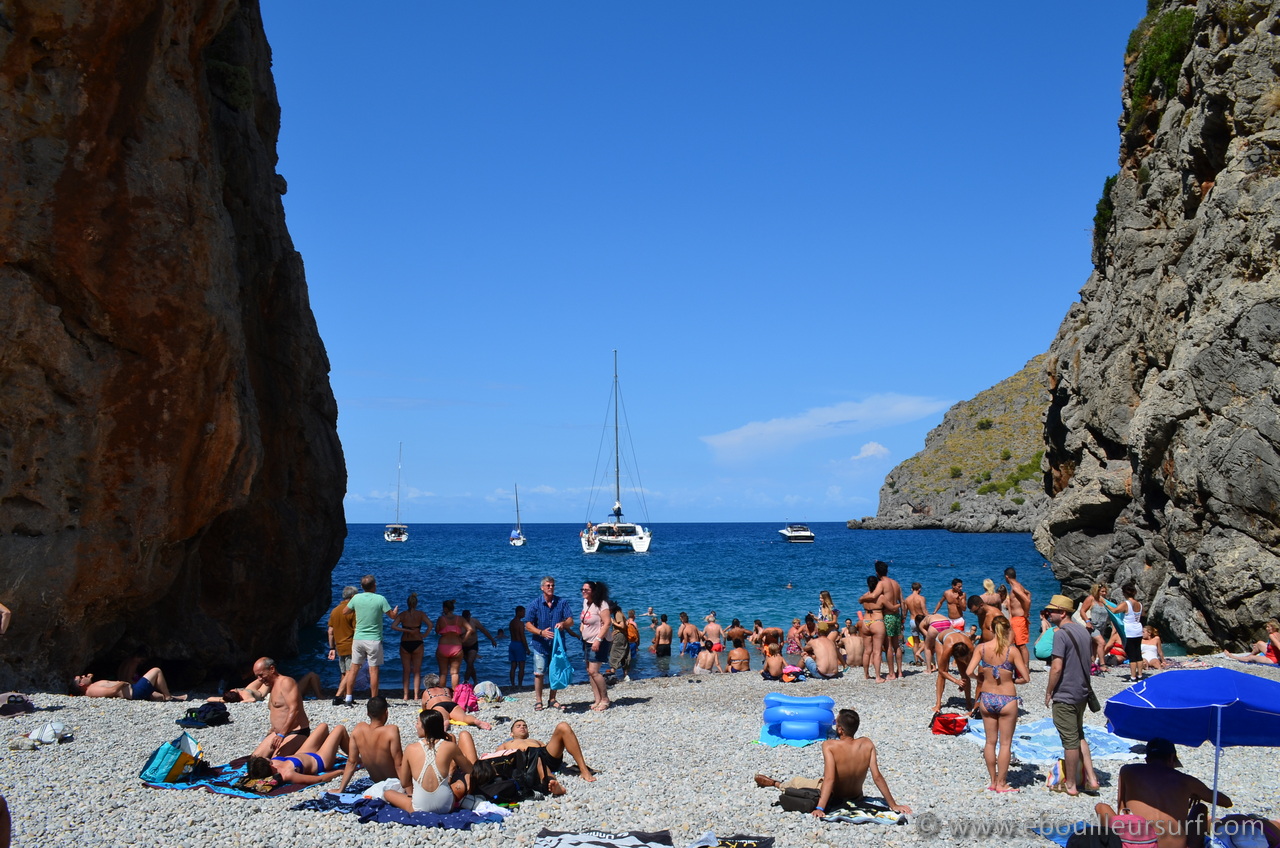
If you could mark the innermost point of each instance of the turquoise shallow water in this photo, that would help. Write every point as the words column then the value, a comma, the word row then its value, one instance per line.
column 738, row 570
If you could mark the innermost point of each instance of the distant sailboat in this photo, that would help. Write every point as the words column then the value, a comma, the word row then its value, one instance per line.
column 517, row 535
column 397, row 532
column 615, row 535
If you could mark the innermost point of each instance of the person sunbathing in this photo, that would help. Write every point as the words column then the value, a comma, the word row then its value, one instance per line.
column 151, row 686
column 308, row 684
column 374, row 746
column 553, row 750
column 846, row 761
column 440, row 698
column 1266, row 651
column 1164, row 796
column 310, row 764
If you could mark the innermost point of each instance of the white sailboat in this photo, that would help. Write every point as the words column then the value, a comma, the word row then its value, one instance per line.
column 615, row 534
column 397, row 532
column 517, row 535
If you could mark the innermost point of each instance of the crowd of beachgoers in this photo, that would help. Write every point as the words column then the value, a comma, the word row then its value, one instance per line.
column 892, row 644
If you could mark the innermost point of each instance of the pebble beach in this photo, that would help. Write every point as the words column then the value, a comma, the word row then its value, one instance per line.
column 675, row 753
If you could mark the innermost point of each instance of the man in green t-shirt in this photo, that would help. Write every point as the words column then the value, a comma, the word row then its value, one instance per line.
column 369, row 608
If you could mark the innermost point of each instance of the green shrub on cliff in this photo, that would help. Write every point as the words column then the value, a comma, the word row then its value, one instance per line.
column 956, row 471
column 1104, row 210
column 1024, row 472
column 1162, row 49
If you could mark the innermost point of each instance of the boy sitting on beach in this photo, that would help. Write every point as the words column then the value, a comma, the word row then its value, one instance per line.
column 845, row 763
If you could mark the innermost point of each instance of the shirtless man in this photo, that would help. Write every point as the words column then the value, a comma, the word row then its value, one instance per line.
column 955, row 644
column 150, row 687
column 773, row 662
column 1162, row 795
column 821, row 657
column 707, row 660
column 891, row 603
column 1019, row 610
column 845, row 763
column 955, row 600
column 916, row 608
column 851, row 644
column 714, row 633
column 690, row 638
column 739, row 658
column 290, row 726
column 562, row 739
column 375, row 745
column 662, row 638
column 761, row 635
column 985, row 613
column 735, row 631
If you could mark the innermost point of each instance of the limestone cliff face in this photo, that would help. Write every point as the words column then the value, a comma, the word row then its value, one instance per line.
column 170, row 472
column 1162, row 432
column 980, row 469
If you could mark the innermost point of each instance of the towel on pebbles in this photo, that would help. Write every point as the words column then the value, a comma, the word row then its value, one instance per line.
column 602, row 839
column 373, row 809
column 1037, row 742
column 773, row 740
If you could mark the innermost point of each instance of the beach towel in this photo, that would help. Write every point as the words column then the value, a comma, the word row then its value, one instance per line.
column 864, row 812
column 773, row 740
column 375, row 810
column 710, row 840
column 1059, row 834
column 15, row 703
column 344, row 803
column 221, row 780
column 602, row 839
column 1037, row 742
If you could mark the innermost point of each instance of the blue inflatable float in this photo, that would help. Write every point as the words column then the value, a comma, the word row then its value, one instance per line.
column 793, row 717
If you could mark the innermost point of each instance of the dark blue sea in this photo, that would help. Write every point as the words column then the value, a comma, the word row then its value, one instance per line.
column 738, row 570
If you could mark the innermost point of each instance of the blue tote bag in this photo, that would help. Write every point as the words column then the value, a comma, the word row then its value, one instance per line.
column 560, row 673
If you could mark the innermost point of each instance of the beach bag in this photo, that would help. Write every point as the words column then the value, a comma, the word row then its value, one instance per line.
column 948, row 724
column 465, row 697
column 1044, row 645
column 798, row 800
column 560, row 672
column 172, row 760
column 487, row 690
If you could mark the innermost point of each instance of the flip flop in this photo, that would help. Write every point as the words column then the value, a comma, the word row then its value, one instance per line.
column 1062, row 790
column 1002, row 791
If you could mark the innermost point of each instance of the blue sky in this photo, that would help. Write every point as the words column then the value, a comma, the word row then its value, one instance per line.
column 808, row 229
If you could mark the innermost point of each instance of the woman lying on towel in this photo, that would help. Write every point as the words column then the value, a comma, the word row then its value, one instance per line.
column 312, row 763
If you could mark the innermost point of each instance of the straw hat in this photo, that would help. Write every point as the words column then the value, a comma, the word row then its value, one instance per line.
column 1062, row 603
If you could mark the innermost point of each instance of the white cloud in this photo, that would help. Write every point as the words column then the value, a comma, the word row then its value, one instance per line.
column 825, row 422
column 869, row 450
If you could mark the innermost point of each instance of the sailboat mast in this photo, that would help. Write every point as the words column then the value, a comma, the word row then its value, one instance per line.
column 399, row 459
column 517, row 488
column 617, row 471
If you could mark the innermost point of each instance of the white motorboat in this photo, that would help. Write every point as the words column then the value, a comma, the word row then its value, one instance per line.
column 517, row 539
column 615, row 534
column 397, row 532
column 797, row 533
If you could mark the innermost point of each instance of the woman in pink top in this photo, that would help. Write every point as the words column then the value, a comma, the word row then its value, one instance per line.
column 595, row 645
column 452, row 630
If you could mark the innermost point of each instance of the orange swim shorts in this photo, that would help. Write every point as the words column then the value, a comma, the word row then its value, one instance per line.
column 1021, row 632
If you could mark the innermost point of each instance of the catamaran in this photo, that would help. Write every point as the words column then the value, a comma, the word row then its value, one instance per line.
column 397, row 532
column 615, row 534
column 517, row 535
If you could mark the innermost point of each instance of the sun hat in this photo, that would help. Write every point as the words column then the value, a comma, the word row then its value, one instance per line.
column 1061, row 603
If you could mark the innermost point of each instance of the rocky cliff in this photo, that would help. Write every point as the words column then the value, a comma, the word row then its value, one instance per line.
column 170, row 472
column 1162, row 432
column 979, row 471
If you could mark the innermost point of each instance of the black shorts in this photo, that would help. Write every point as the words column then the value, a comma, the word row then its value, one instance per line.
column 663, row 650
column 1133, row 649
column 551, row 763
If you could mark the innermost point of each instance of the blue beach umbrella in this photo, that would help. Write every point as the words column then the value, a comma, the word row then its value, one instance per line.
column 1194, row 706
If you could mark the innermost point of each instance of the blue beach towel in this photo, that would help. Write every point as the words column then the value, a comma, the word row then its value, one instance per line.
column 374, row 809
column 1059, row 834
column 1037, row 742
column 773, row 740
column 221, row 780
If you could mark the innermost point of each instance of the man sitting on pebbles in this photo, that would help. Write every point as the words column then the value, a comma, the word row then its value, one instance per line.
column 150, row 687
column 290, row 726
column 375, row 746
column 845, row 763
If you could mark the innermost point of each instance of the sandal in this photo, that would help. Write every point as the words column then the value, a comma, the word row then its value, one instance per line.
column 555, row 705
column 1062, row 789
column 537, row 708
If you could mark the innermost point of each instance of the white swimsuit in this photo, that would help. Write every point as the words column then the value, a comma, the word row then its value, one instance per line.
column 438, row 800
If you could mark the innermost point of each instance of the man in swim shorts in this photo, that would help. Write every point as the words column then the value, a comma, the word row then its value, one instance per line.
column 290, row 726
column 1019, row 610
column 150, row 687
column 891, row 603
column 916, row 608
column 662, row 638
column 690, row 638
column 822, row 659
column 847, row 760
column 375, row 746
column 714, row 633
column 518, row 649
column 955, row 600
column 562, row 740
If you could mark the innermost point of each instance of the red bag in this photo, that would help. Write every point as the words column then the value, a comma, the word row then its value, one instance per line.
column 948, row 724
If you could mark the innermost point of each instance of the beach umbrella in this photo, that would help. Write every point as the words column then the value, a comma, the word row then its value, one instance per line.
column 1193, row 706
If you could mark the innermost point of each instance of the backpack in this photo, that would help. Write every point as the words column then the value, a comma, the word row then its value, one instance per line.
column 633, row 635
column 798, row 800
column 465, row 697
column 211, row 714
column 948, row 724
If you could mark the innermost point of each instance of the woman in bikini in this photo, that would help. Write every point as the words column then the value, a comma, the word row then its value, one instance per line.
column 452, row 632
column 595, row 647
column 999, row 669
column 827, row 609
column 310, row 764
column 427, row 768
column 437, row 697
column 414, row 625
column 874, row 619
